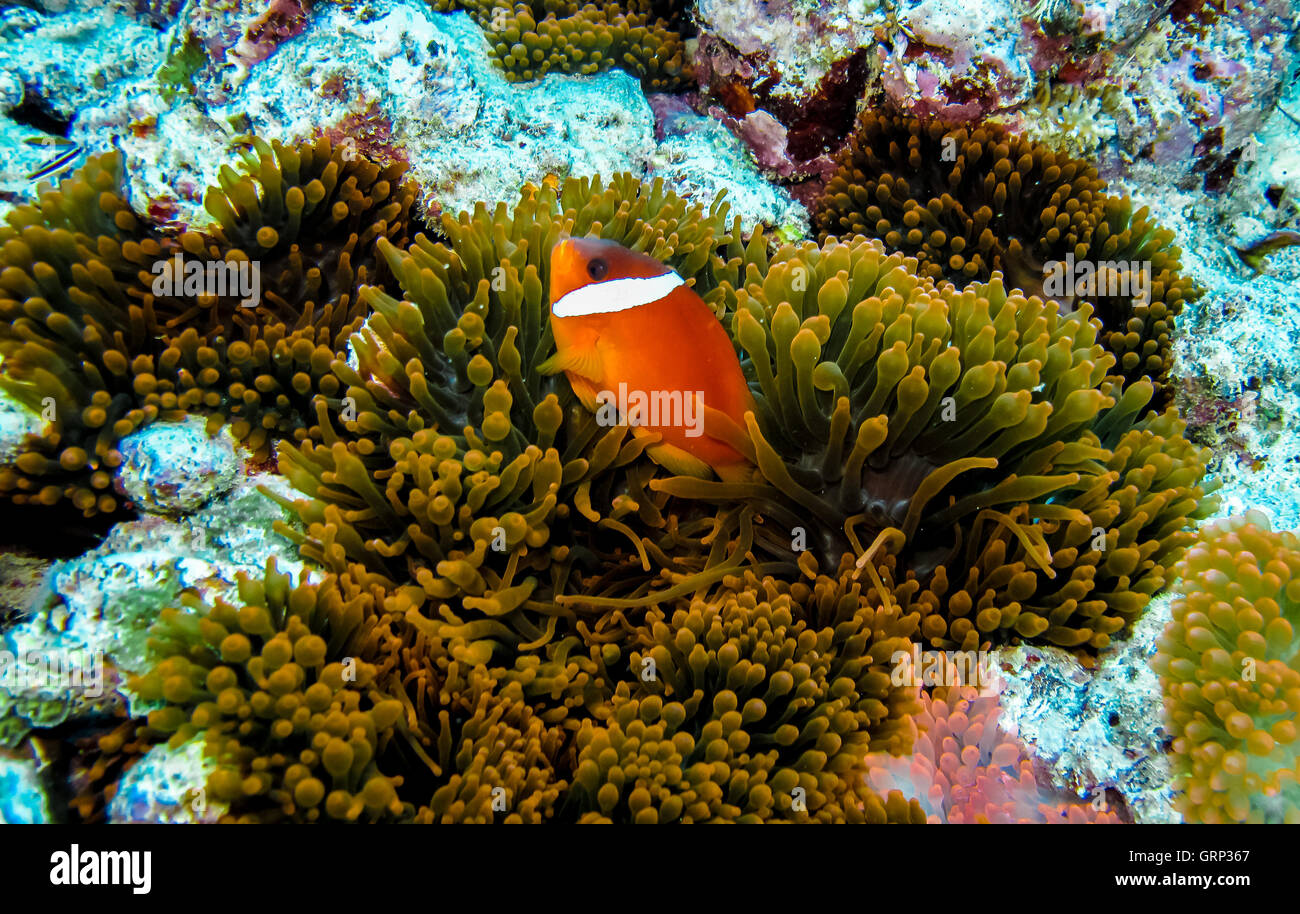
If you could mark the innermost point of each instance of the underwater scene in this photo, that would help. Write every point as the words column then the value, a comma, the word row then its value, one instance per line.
column 649, row 411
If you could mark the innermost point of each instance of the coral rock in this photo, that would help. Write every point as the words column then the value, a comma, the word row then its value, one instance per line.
column 176, row 468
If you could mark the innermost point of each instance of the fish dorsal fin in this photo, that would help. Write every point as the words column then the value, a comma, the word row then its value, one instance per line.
column 584, row 361
column 616, row 295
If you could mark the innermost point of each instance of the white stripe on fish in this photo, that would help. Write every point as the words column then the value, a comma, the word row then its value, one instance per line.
column 616, row 295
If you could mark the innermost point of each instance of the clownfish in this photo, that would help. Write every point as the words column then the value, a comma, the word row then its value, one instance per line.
column 639, row 346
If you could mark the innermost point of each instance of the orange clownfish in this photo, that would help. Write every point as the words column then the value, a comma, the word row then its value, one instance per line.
column 639, row 346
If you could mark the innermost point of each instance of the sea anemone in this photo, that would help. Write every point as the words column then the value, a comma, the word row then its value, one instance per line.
column 106, row 324
column 513, row 614
column 972, row 444
column 966, row 769
column 1228, row 669
column 750, row 707
column 457, row 465
column 530, row 39
column 277, row 689
column 968, row 202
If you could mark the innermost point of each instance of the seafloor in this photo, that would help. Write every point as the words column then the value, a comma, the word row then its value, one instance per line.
column 345, row 543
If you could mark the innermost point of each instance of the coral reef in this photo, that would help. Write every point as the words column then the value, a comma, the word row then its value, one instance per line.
column 22, row 577
column 1092, row 730
column 1238, row 369
column 455, row 535
column 23, row 800
column 169, row 786
column 1066, row 118
column 954, row 61
column 176, row 466
column 1171, row 86
column 785, row 77
column 1227, row 665
column 700, row 160
column 95, row 611
column 499, row 569
column 394, row 78
column 273, row 274
column 793, row 45
column 16, row 423
column 1141, row 90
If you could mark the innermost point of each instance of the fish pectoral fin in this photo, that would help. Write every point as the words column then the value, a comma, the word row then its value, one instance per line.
column 585, row 391
column 584, row 361
column 679, row 461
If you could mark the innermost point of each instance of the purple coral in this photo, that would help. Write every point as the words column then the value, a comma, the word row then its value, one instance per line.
column 280, row 21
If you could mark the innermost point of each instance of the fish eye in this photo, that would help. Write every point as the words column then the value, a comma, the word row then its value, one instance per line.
column 597, row 268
